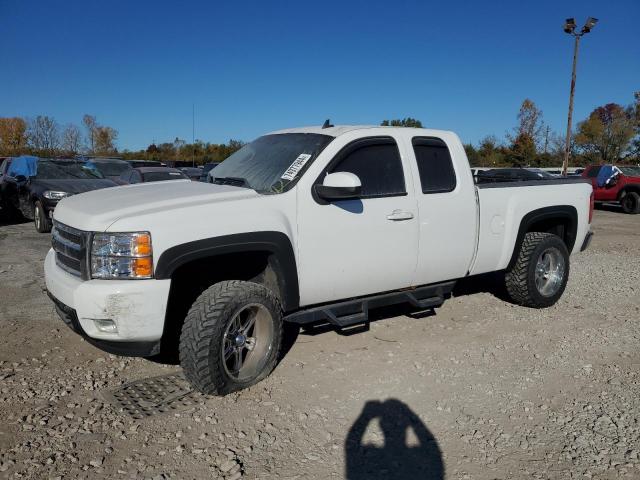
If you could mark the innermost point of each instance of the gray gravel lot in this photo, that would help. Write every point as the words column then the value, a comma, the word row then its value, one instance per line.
column 482, row 389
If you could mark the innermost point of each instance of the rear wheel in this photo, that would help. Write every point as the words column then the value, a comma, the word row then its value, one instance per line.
column 40, row 219
column 540, row 274
column 630, row 203
column 231, row 337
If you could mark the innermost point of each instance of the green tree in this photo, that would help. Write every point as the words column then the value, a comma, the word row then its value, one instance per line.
column 405, row 122
column 606, row 134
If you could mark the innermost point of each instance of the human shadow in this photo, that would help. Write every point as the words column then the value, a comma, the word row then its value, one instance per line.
column 396, row 458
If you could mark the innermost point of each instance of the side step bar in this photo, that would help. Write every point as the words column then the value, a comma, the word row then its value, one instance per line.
column 352, row 312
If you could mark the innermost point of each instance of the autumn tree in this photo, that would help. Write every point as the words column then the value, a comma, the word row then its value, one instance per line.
column 90, row 123
column 13, row 136
column 405, row 122
column 634, row 112
column 104, row 140
column 606, row 134
column 71, row 142
column 44, row 135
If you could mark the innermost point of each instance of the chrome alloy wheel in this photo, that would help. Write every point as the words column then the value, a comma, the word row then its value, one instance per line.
column 36, row 215
column 247, row 342
column 550, row 272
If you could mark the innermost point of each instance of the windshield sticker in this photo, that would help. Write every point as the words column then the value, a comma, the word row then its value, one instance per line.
column 296, row 166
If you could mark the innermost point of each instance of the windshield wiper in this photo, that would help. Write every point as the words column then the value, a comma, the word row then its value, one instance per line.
column 234, row 181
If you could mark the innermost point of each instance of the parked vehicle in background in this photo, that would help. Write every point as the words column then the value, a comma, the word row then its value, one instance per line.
column 206, row 168
column 6, row 208
column 194, row 173
column 145, row 163
column 34, row 186
column 110, row 168
column 616, row 183
column 151, row 174
column 512, row 175
column 302, row 225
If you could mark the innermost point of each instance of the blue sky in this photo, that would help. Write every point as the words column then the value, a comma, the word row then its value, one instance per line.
column 252, row 67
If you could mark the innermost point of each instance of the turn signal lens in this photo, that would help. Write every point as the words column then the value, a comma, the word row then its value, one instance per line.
column 142, row 245
column 142, row 267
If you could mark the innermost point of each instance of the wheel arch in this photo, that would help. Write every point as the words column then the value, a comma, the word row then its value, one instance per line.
column 561, row 220
column 632, row 187
column 274, row 246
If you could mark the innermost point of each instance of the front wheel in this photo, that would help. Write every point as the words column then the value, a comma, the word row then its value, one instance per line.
column 630, row 203
column 540, row 274
column 42, row 223
column 231, row 337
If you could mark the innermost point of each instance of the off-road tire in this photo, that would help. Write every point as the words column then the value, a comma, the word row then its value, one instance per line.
column 201, row 340
column 520, row 279
column 40, row 220
column 630, row 203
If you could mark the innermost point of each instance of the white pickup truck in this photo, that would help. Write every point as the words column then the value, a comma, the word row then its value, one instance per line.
column 302, row 225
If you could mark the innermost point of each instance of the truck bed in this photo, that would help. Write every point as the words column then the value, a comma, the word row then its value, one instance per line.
column 503, row 206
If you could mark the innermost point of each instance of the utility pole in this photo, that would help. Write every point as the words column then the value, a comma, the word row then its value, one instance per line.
column 193, row 134
column 546, row 139
column 569, row 27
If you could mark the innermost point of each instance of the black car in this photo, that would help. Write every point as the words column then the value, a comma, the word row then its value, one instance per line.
column 34, row 186
column 194, row 173
column 206, row 168
column 151, row 174
column 110, row 168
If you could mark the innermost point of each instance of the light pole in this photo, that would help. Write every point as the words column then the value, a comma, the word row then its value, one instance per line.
column 570, row 27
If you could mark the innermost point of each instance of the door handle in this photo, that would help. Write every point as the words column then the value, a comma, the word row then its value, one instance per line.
column 398, row 215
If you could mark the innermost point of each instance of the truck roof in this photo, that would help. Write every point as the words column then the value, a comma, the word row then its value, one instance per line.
column 338, row 130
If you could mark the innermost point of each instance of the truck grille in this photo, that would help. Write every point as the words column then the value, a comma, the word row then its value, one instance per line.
column 70, row 246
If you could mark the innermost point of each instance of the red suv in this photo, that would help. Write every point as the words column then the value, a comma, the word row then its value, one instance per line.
column 623, row 187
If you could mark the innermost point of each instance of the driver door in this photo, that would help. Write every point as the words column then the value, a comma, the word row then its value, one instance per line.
column 351, row 248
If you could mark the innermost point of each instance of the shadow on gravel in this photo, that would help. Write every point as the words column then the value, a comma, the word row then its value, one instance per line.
column 11, row 219
column 609, row 207
column 401, row 456
column 492, row 283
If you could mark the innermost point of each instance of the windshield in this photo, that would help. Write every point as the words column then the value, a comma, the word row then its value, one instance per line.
column 110, row 168
column 630, row 171
column 64, row 170
column 162, row 176
column 272, row 163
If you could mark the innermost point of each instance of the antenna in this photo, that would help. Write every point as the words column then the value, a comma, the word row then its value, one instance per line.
column 327, row 124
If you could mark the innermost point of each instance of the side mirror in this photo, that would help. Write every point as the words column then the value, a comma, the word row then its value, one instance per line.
column 20, row 178
column 339, row 186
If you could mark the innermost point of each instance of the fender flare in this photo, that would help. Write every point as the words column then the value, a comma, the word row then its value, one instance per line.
column 277, row 244
column 565, row 212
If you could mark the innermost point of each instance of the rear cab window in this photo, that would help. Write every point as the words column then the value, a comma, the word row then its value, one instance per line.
column 435, row 165
column 593, row 171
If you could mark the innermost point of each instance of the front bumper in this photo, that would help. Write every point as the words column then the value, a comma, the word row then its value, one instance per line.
column 129, row 349
column 136, row 307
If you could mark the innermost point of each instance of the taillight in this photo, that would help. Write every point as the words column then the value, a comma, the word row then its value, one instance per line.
column 591, row 206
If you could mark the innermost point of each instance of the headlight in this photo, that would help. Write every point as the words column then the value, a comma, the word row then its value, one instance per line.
column 121, row 255
column 53, row 195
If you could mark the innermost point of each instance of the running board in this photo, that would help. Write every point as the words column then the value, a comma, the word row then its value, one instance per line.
column 352, row 312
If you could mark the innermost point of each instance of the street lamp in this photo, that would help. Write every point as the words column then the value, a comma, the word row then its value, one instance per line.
column 570, row 28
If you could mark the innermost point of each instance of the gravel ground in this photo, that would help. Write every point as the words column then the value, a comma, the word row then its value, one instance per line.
column 481, row 389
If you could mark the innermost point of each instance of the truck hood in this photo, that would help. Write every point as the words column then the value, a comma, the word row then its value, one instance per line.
column 97, row 210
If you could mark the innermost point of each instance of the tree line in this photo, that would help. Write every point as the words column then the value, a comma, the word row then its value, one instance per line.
column 610, row 133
